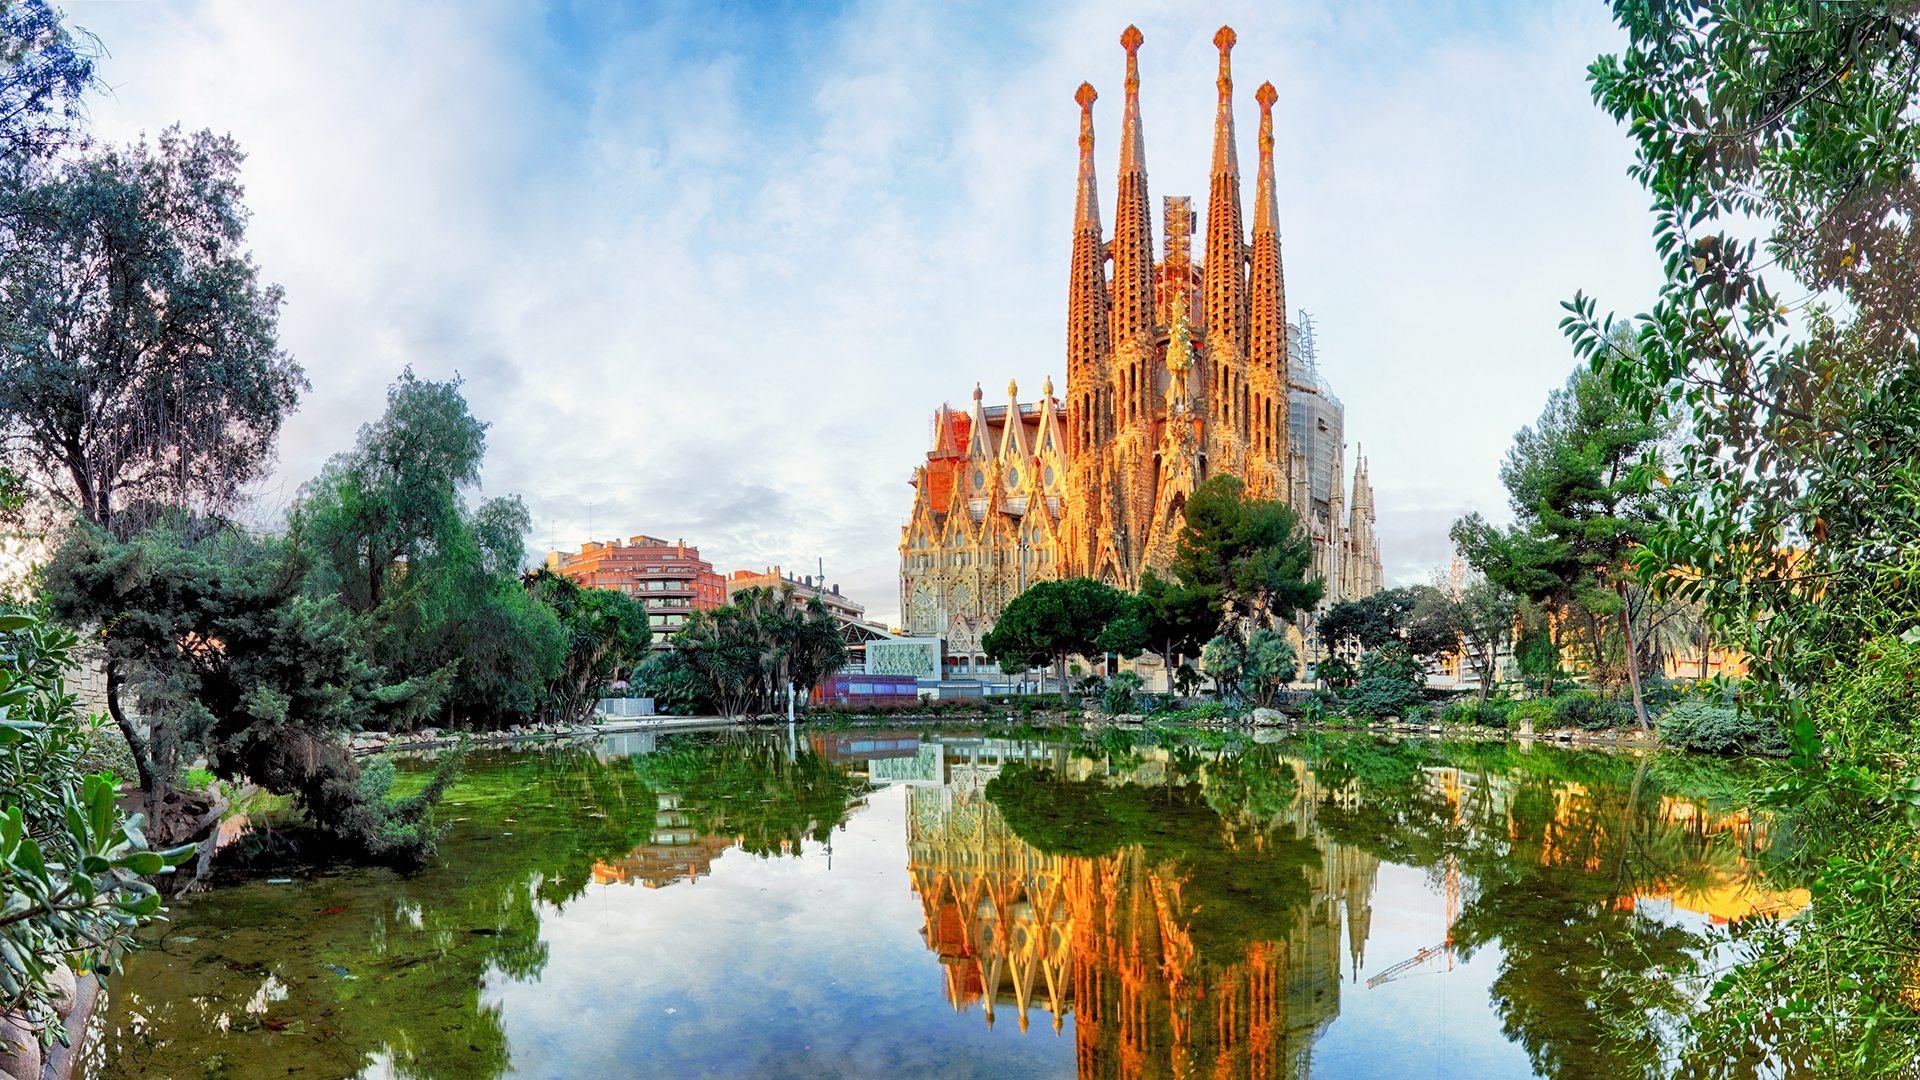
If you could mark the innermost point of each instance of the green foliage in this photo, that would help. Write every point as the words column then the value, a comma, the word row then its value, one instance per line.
column 46, row 69
column 1390, row 682
column 226, row 657
column 1369, row 622
column 141, row 366
column 607, row 636
column 747, row 653
column 1250, row 557
column 1053, row 620
column 1580, row 506
column 1479, row 623
column 1477, row 712
column 1720, row 729
column 1336, row 671
column 1271, row 664
column 675, row 687
column 1225, row 662
column 1589, row 711
column 73, row 868
column 1122, row 693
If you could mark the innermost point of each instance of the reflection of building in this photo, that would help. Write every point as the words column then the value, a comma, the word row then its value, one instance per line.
column 675, row 850
column 1107, row 940
column 1177, row 370
column 672, row 580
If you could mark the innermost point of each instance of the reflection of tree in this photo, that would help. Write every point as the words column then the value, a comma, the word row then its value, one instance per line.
column 750, row 787
column 1555, row 851
column 371, row 966
column 1231, row 895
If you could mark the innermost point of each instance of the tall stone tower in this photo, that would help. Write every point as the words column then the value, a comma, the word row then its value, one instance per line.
column 1176, row 370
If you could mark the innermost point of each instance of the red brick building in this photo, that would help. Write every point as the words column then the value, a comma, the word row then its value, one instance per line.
column 670, row 578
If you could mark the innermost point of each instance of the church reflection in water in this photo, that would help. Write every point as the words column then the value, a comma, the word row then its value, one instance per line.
column 1186, row 912
column 1109, row 939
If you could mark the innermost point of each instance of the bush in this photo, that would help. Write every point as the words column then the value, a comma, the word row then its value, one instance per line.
column 72, row 866
column 1390, row 684
column 1589, row 711
column 1119, row 695
column 1491, row 713
column 1538, row 710
column 1720, row 729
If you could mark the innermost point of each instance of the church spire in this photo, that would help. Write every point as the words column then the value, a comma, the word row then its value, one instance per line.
column 1088, row 306
column 1133, row 223
column 1267, row 332
column 1226, row 298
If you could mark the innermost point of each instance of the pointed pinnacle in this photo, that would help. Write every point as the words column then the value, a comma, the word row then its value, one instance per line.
column 1224, row 41
column 1131, row 40
column 1266, row 96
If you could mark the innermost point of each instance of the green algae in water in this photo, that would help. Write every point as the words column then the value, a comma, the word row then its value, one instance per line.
column 733, row 904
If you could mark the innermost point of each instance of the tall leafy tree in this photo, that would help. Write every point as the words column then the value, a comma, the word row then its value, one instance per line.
column 1051, row 621
column 434, row 583
column 141, row 364
column 1248, row 558
column 750, row 651
column 1479, row 622
column 207, row 631
column 1777, row 142
column 45, row 68
column 1581, row 507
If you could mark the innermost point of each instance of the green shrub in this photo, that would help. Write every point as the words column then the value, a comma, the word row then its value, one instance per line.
column 1720, row 729
column 1589, row 711
column 73, row 868
column 1538, row 710
column 1119, row 695
column 1390, row 684
column 1491, row 713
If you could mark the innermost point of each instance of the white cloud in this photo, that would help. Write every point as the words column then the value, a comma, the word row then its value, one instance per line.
column 714, row 291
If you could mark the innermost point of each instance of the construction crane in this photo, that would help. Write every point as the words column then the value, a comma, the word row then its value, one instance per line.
column 1411, row 962
column 1453, row 787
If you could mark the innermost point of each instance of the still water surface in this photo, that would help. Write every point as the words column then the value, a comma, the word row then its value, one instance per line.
column 896, row 903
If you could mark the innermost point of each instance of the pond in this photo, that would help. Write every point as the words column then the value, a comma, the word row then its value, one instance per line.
column 882, row 903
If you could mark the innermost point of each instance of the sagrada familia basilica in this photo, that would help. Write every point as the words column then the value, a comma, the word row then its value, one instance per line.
column 1177, row 369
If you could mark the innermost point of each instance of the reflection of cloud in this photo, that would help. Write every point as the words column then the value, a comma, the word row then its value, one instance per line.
column 770, row 967
column 707, row 274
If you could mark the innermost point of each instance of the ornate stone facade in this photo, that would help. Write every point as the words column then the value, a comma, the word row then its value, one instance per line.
column 1176, row 370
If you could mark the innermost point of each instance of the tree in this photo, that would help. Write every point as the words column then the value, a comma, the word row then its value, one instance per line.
column 607, row 635
column 433, row 584
column 1225, row 661
column 1247, row 558
column 1390, row 682
column 1051, row 621
column 749, row 652
column 141, row 364
column 394, row 501
column 44, row 70
column 1581, row 506
column 1272, row 664
column 1792, row 360
column 209, row 631
column 1479, row 622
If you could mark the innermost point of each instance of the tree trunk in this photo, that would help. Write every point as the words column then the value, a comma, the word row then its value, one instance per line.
column 1633, row 667
column 1060, row 671
column 138, row 745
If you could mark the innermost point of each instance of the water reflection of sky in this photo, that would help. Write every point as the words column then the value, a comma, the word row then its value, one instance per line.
column 1231, row 890
column 785, row 967
column 1436, row 1020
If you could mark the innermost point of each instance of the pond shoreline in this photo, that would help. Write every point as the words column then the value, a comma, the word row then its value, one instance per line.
column 433, row 739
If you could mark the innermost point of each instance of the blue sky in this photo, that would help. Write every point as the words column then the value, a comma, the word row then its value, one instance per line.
column 708, row 268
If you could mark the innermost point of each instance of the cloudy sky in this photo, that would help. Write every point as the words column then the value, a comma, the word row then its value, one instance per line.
column 707, row 268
